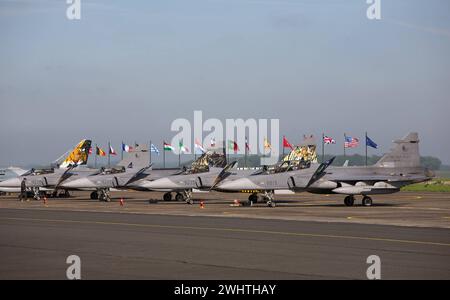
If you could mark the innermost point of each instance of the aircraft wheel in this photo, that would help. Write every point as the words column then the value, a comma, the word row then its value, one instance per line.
column 179, row 197
column 367, row 201
column 270, row 204
column 167, row 197
column 94, row 196
column 349, row 201
column 253, row 198
column 190, row 201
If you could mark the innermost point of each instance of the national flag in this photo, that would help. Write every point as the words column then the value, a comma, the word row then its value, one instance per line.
column 112, row 151
column 213, row 142
column 168, row 147
column 286, row 143
column 351, row 142
column 328, row 140
column 154, row 149
column 100, row 152
column 126, row 148
column 371, row 143
column 182, row 147
column 247, row 146
column 198, row 146
column 232, row 145
column 267, row 145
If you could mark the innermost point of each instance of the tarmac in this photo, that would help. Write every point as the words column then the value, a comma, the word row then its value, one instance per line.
column 304, row 237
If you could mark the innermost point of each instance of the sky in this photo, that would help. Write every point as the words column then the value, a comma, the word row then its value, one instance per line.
column 127, row 69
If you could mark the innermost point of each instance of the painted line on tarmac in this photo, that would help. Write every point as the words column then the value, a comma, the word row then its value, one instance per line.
column 299, row 234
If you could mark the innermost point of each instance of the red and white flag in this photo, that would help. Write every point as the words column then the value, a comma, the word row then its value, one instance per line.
column 112, row 151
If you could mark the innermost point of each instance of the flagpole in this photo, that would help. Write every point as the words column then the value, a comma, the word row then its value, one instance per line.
column 282, row 145
column 366, row 148
column 164, row 156
column 109, row 154
column 345, row 138
column 95, row 161
column 323, row 147
column 245, row 157
column 150, row 147
column 121, row 153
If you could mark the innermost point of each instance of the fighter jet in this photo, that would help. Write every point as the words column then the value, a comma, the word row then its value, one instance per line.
column 49, row 179
column 211, row 169
column 131, row 169
column 400, row 167
column 200, row 175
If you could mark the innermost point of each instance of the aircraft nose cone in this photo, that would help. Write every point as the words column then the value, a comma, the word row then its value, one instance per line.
column 12, row 182
column 79, row 184
column 238, row 185
column 161, row 184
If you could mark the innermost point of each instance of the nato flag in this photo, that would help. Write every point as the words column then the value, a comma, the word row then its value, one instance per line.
column 371, row 143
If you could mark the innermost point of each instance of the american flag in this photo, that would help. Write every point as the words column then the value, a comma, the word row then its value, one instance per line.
column 351, row 142
column 328, row 140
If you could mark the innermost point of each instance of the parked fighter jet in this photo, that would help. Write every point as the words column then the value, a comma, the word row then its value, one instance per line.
column 131, row 169
column 400, row 167
column 200, row 175
column 206, row 173
column 49, row 179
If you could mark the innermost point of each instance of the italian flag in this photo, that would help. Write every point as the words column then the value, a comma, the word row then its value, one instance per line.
column 183, row 148
column 168, row 147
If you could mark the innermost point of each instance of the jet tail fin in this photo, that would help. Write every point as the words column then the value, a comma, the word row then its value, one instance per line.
column 405, row 153
column 78, row 156
column 137, row 158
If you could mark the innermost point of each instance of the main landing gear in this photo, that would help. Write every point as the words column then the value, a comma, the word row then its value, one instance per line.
column 350, row 200
column 180, row 196
column 101, row 195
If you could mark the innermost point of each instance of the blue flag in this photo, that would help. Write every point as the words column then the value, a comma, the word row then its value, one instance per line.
column 371, row 143
column 154, row 149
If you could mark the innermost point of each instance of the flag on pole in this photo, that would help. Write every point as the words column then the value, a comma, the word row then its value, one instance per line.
column 112, row 151
column 232, row 145
column 168, row 147
column 126, row 148
column 371, row 143
column 286, row 143
column 351, row 142
column 267, row 145
column 198, row 146
column 100, row 152
column 154, row 149
column 247, row 146
column 328, row 140
column 182, row 147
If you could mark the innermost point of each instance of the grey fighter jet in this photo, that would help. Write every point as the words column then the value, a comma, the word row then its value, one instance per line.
column 45, row 180
column 208, row 171
column 132, row 168
column 400, row 167
column 200, row 175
